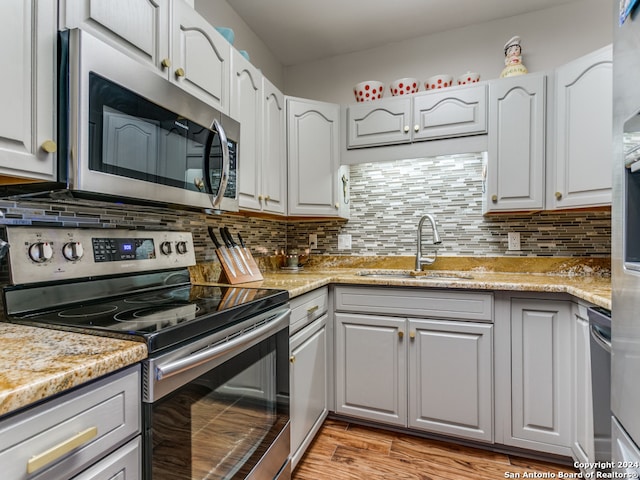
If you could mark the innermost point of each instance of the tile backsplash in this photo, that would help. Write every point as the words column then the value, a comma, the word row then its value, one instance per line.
column 387, row 200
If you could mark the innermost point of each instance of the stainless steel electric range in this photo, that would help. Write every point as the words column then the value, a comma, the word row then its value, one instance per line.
column 216, row 383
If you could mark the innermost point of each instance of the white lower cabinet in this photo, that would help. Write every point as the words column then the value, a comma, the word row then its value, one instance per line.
column 90, row 433
column 432, row 374
column 309, row 372
column 451, row 378
column 371, row 374
column 541, row 375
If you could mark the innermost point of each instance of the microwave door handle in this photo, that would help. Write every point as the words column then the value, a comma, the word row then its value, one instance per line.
column 226, row 164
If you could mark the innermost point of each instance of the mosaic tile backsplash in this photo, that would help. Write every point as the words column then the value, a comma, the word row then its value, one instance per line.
column 387, row 200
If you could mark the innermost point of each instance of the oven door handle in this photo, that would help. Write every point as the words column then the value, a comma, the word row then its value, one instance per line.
column 238, row 344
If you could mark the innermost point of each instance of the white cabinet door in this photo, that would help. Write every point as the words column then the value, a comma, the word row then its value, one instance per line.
column 541, row 378
column 381, row 122
column 246, row 107
column 582, row 444
column 274, row 150
column 450, row 113
column 309, row 385
column 28, row 91
column 451, row 378
column 138, row 27
column 515, row 167
column 314, row 163
column 371, row 378
column 581, row 173
column 200, row 57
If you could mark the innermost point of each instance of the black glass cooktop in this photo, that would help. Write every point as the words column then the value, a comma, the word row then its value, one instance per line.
column 162, row 318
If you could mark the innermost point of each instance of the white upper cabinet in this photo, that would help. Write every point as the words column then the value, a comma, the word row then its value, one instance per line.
column 274, row 150
column 171, row 37
column 138, row 27
column 447, row 113
column 28, row 91
column 315, row 175
column 514, row 171
column 580, row 173
column 260, row 108
column 200, row 56
column 246, row 107
column 433, row 115
column 382, row 122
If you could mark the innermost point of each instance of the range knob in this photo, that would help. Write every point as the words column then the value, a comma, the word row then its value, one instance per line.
column 181, row 247
column 73, row 251
column 165, row 248
column 40, row 252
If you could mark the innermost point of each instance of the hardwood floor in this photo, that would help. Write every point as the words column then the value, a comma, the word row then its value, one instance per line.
column 344, row 451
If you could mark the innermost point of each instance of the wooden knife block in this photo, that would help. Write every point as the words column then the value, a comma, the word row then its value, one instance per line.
column 231, row 272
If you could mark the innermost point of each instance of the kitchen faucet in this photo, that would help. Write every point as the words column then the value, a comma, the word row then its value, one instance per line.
column 436, row 241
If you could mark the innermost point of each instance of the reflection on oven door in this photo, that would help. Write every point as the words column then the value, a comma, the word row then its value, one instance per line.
column 218, row 427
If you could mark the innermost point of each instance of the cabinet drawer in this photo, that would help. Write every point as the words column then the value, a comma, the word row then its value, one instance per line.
column 100, row 416
column 423, row 303
column 123, row 464
column 306, row 308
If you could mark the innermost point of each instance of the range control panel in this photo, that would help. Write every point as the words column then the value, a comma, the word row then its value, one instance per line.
column 50, row 254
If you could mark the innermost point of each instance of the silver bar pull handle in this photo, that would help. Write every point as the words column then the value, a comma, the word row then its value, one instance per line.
column 237, row 344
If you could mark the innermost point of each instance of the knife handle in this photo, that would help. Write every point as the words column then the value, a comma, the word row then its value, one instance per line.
column 223, row 235
column 241, row 240
column 229, row 237
column 213, row 237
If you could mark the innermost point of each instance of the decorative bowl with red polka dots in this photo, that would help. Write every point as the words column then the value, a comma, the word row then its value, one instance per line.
column 467, row 78
column 438, row 81
column 404, row 86
column 369, row 90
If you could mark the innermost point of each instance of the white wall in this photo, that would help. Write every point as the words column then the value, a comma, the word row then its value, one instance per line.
column 220, row 14
column 550, row 38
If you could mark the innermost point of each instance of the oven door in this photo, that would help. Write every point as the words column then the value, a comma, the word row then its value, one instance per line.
column 220, row 409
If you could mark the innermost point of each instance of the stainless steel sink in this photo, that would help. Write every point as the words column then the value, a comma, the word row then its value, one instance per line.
column 417, row 275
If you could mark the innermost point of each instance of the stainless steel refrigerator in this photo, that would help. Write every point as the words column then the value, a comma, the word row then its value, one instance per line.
column 625, row 261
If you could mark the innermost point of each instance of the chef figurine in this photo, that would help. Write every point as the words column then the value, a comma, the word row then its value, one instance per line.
column 513, row 59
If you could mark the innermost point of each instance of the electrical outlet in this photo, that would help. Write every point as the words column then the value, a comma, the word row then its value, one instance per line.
column 514, row 240
column 313, row 241
column 344, row 241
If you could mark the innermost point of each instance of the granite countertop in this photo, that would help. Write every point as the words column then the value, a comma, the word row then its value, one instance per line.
column 36, row 363
column 596, row 290
column 585, row 279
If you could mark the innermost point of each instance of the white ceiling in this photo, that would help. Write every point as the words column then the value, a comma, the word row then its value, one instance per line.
column 298, row 31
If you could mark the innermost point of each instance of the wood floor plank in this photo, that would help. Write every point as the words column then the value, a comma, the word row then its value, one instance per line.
column 422, row 446
column 343, row 451
column 539, row 465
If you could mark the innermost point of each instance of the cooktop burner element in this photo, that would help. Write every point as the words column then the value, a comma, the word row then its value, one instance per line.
column 145, row 301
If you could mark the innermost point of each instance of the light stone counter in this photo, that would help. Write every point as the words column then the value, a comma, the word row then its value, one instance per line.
column 584, row 278
column 596, row 290
column 36, row 363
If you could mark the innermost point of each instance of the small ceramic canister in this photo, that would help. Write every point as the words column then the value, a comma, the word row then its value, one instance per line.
column 404, row 86
column 469, row 77
column 369, row 90
column 438, row 81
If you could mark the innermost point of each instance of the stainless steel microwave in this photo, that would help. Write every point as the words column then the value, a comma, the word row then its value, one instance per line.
column 135, row 136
